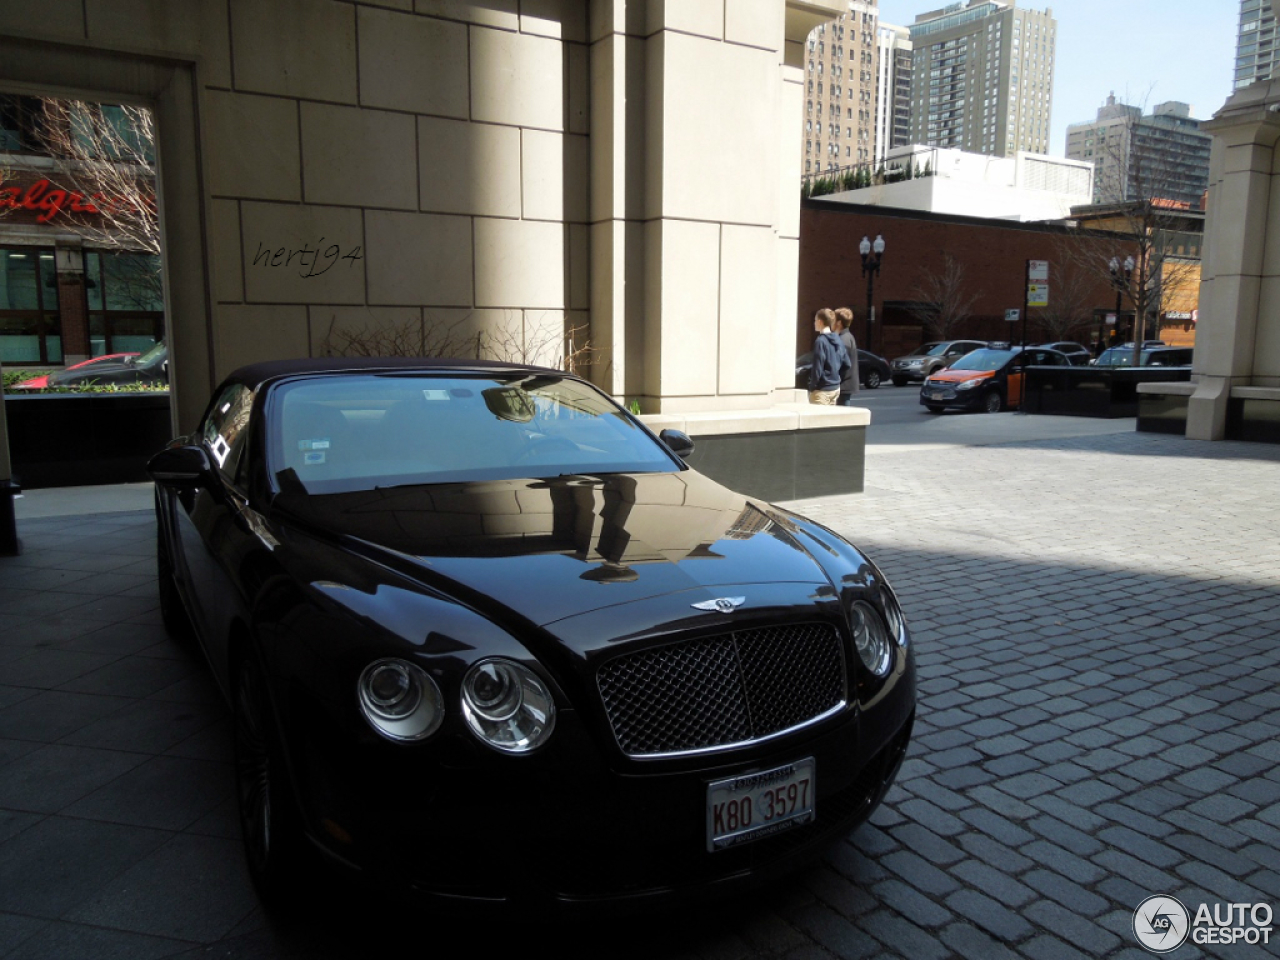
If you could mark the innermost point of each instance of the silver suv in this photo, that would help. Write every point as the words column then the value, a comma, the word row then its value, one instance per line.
column 929, row 357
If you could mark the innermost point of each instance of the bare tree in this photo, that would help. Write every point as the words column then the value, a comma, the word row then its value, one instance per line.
column 104, row 166
column 542, row 340
column 1072, row 286
column 942, row 298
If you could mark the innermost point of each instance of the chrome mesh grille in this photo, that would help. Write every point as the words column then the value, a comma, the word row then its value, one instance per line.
column 721, row 690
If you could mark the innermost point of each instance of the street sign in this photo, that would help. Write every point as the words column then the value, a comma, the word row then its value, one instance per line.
column 1037, row 271
column 1012, row 316
column 1037, row 295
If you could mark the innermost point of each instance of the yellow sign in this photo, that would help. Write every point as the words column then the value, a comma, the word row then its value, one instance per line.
column 1037, row 294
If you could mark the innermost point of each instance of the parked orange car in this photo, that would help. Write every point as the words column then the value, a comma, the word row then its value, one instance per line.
column 989, row 379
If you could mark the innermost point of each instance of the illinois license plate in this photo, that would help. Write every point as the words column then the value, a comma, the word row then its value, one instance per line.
column 756, row 805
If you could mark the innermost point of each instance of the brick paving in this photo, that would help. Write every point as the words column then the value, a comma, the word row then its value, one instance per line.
column 1094, row 621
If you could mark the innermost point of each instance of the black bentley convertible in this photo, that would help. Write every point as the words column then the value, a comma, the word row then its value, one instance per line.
column 487, row 637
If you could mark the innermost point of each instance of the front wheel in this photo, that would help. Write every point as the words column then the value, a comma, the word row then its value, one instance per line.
column 899, row 381
column 269, row 824
column 991, row 403
column 873, row 380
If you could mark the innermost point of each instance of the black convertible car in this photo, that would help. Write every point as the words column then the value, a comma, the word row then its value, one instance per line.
column 486, row 637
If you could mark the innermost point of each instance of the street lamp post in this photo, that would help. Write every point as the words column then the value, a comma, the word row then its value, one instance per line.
column 1121, row 276
column 872, row 253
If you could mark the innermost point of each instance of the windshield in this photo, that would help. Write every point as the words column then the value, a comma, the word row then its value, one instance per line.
column 156, row 353
column 935, row 349
column 336, row 434
column 1119, row 357
column 984, row 359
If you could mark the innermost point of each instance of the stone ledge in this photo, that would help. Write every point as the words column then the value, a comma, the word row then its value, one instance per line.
column 1256, row 393
column 783, row 418
column 1169, row 388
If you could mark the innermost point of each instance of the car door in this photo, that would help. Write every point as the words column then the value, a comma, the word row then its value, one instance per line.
column 210, row 526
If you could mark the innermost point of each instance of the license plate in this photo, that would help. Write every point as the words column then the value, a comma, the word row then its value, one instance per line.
column 756, row 805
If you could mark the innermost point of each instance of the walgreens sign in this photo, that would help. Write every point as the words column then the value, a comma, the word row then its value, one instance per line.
column 43, row 200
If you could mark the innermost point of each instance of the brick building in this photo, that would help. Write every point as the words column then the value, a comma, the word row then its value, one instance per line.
column 992, row 256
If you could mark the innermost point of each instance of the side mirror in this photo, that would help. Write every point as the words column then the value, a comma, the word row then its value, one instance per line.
column 678, row 442
column 182, row 466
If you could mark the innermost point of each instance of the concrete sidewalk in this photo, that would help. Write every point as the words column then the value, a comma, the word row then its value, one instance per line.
column 1094, row 620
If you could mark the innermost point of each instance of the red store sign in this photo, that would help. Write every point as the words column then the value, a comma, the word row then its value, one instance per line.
column 46, row 200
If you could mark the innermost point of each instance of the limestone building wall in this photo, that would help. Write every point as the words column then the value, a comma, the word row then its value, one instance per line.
column 625, row 168
column 1238, row 335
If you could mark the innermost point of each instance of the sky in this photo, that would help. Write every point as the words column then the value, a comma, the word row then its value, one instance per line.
column 1145, row 51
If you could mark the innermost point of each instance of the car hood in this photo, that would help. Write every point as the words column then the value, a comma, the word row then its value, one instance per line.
column 959, row 376
column 546, row 550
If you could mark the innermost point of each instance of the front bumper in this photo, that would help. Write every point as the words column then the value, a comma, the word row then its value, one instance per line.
column 570, row 830
column 946, row 395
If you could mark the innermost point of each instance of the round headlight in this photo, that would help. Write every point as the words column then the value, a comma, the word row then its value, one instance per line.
column 507, row 706
column 896, row 622
column 399, row 700
column 871, row 638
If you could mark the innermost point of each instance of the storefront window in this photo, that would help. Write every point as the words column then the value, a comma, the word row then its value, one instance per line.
column 29, row 330
column 126, row 301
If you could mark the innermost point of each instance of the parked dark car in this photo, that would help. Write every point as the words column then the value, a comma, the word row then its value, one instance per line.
column 148, row 368
column 487, row 638
column 42, row 381
column 989, row 379
column 930, row 357
column 1148, row 356
column 1076, row 353
column 872, row 370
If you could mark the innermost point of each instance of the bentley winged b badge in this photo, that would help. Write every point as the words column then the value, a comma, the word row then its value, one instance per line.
column 722, row 604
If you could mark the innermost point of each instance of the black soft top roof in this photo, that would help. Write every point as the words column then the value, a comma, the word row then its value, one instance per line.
column 256, row 374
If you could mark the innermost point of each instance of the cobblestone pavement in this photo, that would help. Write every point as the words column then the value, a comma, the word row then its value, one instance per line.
column 1094, row 620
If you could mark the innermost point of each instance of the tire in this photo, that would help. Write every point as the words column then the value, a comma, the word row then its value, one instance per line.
column 873, row 380
column 172, row 613
column 992, row 403
column 933, row 408
column 899, row 381
column 269, row 824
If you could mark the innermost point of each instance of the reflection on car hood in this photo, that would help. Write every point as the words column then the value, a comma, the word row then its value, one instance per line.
column 550, row 549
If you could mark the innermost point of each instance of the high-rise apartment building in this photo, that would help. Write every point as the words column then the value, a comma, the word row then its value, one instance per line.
column 1164, row 155
column 893, row 90
column 1257, row 49
column 982, row 78
column 840, row 90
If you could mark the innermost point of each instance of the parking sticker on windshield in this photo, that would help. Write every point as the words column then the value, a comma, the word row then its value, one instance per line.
column 313, row 457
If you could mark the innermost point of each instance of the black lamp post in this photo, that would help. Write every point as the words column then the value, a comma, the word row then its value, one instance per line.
column 1121, row 276
column 871, row 256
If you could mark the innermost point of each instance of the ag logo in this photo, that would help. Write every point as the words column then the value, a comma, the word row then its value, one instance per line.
column 1161, row 923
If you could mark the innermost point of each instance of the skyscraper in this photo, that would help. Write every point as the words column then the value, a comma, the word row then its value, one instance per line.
column 893, row 90
column 1256, row 50
column 840, row 90
column 982, row 77
column 1164, row 155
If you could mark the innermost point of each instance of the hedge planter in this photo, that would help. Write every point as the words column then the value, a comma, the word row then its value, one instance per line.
column 65, row 440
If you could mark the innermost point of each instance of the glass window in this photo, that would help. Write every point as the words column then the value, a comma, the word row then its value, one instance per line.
column 226, row 431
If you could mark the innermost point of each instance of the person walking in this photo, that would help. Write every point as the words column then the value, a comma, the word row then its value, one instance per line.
column 844, row 330
column 830, row 361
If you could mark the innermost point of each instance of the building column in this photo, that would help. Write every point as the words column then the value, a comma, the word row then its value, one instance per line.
column 73, row 305
column 695, row 198
column 1238, row 335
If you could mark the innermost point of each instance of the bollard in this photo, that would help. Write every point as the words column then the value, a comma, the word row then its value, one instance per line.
column 10, row 545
